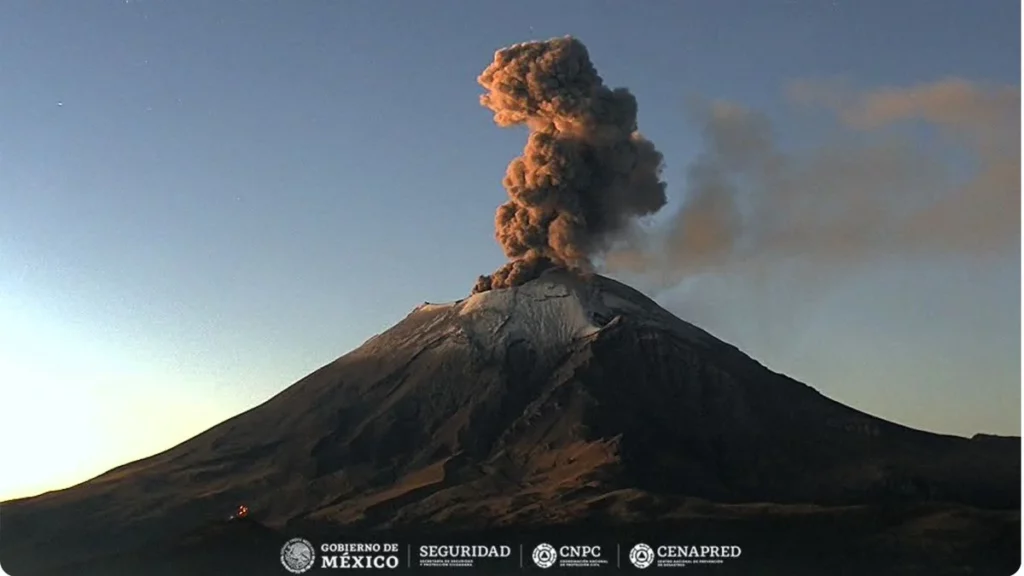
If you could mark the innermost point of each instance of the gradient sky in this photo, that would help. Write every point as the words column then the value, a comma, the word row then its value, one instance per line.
column 204, row 201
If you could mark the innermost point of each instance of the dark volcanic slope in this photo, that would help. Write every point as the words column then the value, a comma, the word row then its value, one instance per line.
column 561, row 400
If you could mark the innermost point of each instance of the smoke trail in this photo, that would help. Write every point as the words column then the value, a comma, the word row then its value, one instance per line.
column 846, row 200
column 585, row 173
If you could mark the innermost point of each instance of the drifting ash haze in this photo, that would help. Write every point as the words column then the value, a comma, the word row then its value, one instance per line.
column 866, row 193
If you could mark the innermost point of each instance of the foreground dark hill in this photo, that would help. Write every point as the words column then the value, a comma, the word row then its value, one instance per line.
column 564, row 402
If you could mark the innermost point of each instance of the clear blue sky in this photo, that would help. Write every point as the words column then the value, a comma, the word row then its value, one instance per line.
column 203, row 201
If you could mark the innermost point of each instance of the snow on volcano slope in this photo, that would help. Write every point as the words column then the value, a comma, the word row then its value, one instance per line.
column 560, row 307
column 548, row 313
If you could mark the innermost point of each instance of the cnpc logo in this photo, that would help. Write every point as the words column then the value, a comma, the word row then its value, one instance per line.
column 545, row 555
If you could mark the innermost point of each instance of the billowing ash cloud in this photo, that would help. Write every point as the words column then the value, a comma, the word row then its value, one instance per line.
column 863, row 193
column 585, row 173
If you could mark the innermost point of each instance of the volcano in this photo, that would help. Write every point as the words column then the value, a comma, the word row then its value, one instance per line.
column 569, row 405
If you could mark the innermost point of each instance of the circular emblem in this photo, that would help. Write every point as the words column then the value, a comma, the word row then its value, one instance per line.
column 297, row 555
column 641, row 556
column 544, row 555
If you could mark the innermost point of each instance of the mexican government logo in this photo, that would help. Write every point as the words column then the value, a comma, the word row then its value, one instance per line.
column 346, row 555
column 643, row 556
column 545, row 556
column 298, row 555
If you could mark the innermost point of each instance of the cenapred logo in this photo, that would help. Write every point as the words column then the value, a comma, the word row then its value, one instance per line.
column 297, row 555
column 544, row 555
column 641, row 555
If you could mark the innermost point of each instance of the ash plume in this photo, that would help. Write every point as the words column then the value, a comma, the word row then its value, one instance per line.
column 586, row 171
